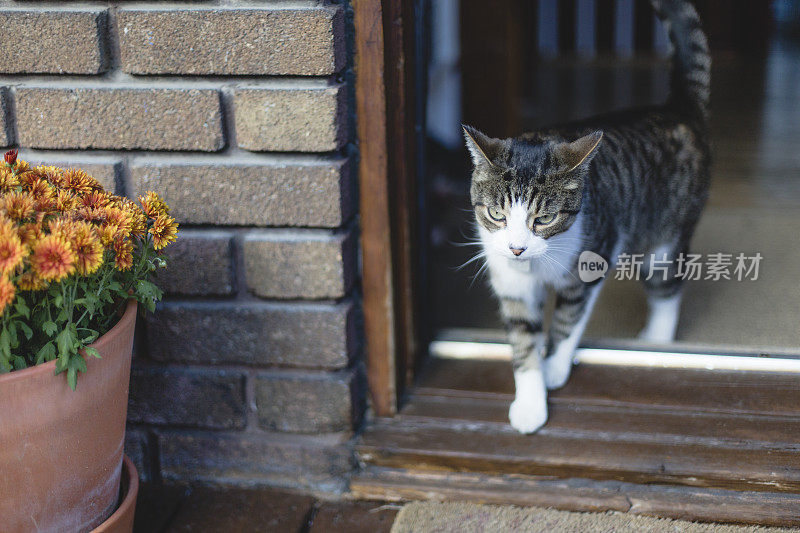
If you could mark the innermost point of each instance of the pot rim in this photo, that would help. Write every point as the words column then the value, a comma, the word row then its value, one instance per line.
column 131, row 475
column 130, row 313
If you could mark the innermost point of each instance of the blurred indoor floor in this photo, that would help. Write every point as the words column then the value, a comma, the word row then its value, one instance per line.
column 755, row 132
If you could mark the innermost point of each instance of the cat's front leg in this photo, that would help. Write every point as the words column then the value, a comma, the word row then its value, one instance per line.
column 573, row 308
column 523, row 321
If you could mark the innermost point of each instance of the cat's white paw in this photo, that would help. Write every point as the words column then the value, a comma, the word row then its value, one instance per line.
column 528, row 411
column 663, row 319
column 556, row 372
column 527, row 416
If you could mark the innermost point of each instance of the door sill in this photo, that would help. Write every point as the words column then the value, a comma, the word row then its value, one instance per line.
column 691, row 444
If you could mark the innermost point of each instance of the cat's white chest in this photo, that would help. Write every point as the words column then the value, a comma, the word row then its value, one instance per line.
column 511, row 278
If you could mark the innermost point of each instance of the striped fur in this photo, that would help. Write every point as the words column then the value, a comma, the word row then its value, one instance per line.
column 631, row 182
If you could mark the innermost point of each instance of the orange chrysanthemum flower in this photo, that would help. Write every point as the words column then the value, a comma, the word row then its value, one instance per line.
column 120, row 219
column 78, row 181
column 11, row 252
column 54, row 175
column 52, row 258
column 164, row 231
column 30, row 232
column 29, row 281
column 94, row 200
column 7, row 226
column 108, row 234
column 153, row 205
column 21, row 166
column 123, row 254
column 65, row 201
column 43, row 194
column 7, row 180
column 90, row 214
column 138, row 220
column 7, row 293
column 27, row 177
column 18, row 205
column 63, row 228
column 88, row 249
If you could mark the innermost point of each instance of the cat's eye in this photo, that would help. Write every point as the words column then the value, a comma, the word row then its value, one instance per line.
column 496, row 213
column 544, row 220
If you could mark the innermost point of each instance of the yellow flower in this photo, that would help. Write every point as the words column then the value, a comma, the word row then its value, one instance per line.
column 44, row 195
column 94, row 199
column 120, row 219
column 29, row 281
column 107, row 234
column 164, row 231
column 62, row 227
column 11, row 252
column 18, row 205
column 78, row 181
column 138, row 220
column 7, row 180
column 21, row 166
column 123, row 254
column 54, row 175
column 26, row 178
column 65, row 201
column 52, row 258
column 7, row 226
column 153, row 205
column 30, row 232
column 88, row 249
column 7, row 292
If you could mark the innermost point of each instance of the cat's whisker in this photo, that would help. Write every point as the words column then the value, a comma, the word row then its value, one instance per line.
column 477, row 257
column 480, row 271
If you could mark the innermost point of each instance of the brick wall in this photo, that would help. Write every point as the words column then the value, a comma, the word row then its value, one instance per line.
column 238, row 114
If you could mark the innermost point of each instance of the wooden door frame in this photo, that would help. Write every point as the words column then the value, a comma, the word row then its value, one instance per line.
column 386, row 127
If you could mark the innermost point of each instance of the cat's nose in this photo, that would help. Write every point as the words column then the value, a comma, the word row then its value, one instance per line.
column 517, row 251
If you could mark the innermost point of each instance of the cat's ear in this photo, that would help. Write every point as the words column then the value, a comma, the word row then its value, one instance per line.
column 579, row 152
column 482, row 148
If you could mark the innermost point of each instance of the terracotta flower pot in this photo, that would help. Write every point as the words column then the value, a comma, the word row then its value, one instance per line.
column 122, row 519
column 61, row 450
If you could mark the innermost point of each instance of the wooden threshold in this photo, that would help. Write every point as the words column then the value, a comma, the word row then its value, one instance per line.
column 716, row 445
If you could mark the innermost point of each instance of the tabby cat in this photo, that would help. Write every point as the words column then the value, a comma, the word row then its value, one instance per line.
column 630, row 182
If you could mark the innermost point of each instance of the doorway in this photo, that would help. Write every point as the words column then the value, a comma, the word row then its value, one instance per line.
column 704, row 427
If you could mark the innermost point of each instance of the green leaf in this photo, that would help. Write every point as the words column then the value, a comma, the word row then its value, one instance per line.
column 49, row 328
column 92, row 351
column 12, row 334
column 46, row 353
column 25, row 329
column 148, row 290
column 22, row 307
column 58, row 300
column 78, row 363
column 72, row 378
column 65, row 341
column 19, row 363
column 5, row 344
column 114, row 286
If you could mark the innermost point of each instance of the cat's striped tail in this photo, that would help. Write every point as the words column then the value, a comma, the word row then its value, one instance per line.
column 691, row 62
